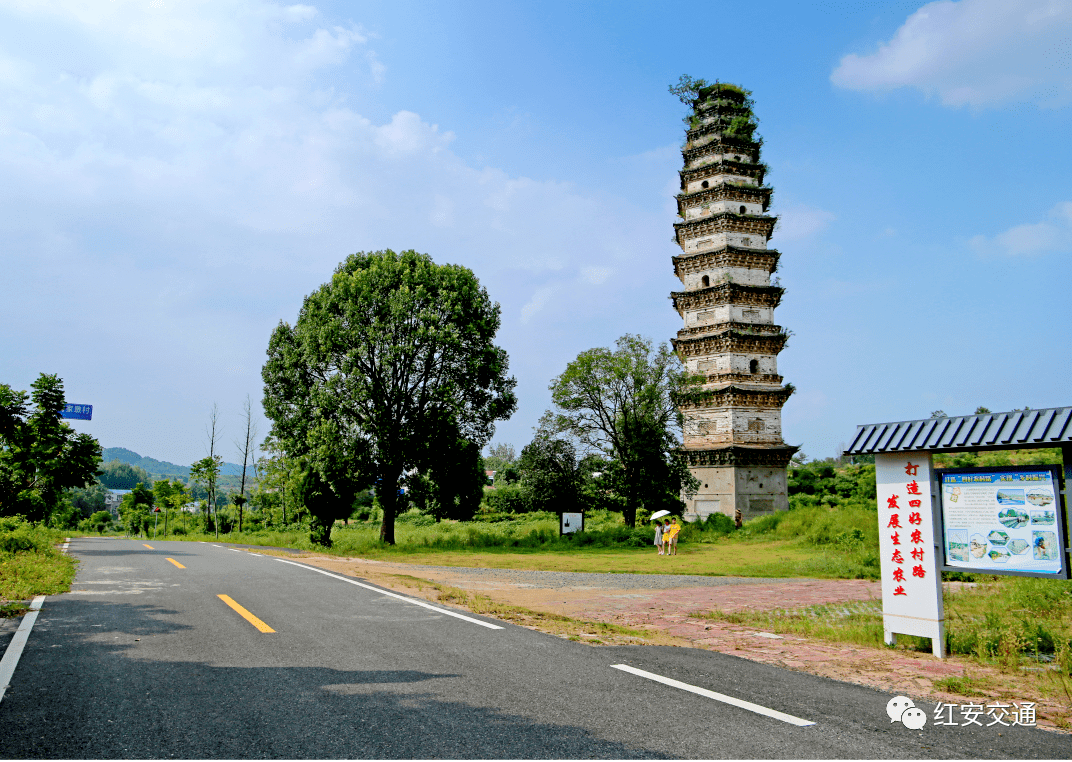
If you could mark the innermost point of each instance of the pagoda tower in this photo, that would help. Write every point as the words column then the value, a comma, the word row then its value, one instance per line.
column 733, row 427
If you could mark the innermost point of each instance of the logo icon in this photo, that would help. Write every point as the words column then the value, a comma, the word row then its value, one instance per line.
column 901, row 709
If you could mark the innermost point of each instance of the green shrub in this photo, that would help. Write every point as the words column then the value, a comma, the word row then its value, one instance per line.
column 414, row 517
column 719, row 523
column 509, row 498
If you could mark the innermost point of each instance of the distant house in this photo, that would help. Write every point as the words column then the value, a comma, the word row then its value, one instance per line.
column 112, row 499
column 490, row 475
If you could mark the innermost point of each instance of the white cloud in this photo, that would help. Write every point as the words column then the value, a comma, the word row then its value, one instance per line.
column 802, row 221
column 179, row 177
column 1052, row 236
column 973, row 52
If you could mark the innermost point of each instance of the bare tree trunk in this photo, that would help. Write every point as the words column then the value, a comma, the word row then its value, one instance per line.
column 248, row 445
column 213, row 437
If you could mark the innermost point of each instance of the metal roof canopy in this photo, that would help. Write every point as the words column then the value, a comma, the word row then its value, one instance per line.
column 1016, row 430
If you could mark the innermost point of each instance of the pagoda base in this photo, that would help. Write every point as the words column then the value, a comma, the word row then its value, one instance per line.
column 751, row 480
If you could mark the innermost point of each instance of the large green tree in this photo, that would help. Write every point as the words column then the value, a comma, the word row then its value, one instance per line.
column 40, row 455
column 624, row 404
column 392, row 356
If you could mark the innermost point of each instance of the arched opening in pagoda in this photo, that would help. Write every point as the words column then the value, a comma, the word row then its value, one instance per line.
column 706, row 281
column 753, row 366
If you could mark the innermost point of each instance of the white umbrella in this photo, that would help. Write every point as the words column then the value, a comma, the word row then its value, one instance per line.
column 659, row 515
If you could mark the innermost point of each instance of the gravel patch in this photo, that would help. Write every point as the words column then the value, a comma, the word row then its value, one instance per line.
column 548, row 580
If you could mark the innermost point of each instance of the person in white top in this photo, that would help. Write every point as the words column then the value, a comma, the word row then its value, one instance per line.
column 659, row 536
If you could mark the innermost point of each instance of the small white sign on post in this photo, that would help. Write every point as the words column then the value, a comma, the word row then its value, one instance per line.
column 571, row 522
column 911, row 582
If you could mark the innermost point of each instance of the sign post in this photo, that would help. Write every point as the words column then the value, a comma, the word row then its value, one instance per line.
column 908, row 552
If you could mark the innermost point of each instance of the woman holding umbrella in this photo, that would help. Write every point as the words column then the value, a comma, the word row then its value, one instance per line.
column 659, row 528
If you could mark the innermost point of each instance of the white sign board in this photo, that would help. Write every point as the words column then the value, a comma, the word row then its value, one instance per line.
column 911, row 582
column 1003, row 521
column 572, row 522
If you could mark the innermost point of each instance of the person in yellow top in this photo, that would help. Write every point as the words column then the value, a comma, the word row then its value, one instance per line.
column 670, row 536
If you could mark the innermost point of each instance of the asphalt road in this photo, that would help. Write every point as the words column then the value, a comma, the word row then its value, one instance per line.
column 144, row 659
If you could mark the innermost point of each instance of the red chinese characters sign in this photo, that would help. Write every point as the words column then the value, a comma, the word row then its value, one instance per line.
column 911, row 585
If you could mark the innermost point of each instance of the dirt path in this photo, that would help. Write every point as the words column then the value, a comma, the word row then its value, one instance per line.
column 667, row 604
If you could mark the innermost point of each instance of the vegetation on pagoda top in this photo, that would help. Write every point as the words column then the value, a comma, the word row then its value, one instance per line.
column 694, row 133
column 723, row 106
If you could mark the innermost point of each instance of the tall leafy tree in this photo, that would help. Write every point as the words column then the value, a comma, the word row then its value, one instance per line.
column 40, row 455
column 206, row 472
column 624, row 403
column 392, row 355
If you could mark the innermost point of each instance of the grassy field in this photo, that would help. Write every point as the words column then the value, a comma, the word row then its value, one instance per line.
column 810, row 541
column 30, row 564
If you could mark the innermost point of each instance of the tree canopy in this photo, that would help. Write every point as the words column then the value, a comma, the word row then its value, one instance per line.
column 115, row 474
column 388, row 367
column 623, row 403
column 40, row 455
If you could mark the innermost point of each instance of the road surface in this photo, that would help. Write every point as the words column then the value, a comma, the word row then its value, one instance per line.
column 194, row 650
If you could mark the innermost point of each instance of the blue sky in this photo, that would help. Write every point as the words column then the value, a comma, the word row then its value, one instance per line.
column 176, row 177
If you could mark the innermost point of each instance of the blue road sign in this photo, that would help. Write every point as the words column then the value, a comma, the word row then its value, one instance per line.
column 79, row 412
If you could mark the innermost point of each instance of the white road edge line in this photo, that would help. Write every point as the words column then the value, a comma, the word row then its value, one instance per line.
column 18, row 642
column 395, row 595
column 739, row 703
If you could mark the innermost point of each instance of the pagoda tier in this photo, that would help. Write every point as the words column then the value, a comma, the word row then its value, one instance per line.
column 733, row 341
column 725, row 192
column 743, row 455
column 727, row 293
column 700, row 152
column 693, row 178
column 734, row 395
column 726, row 256
column 706, row 222
column 732, row 422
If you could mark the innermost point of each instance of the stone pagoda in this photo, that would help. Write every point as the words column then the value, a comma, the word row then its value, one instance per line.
column 733, row 428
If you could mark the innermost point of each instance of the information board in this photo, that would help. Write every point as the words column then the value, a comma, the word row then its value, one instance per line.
column 1004, row 520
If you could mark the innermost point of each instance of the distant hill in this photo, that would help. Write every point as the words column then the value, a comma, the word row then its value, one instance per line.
column 161, row 467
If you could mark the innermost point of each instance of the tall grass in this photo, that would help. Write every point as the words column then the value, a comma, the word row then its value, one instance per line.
column 30, row 564
column 1002, row 621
